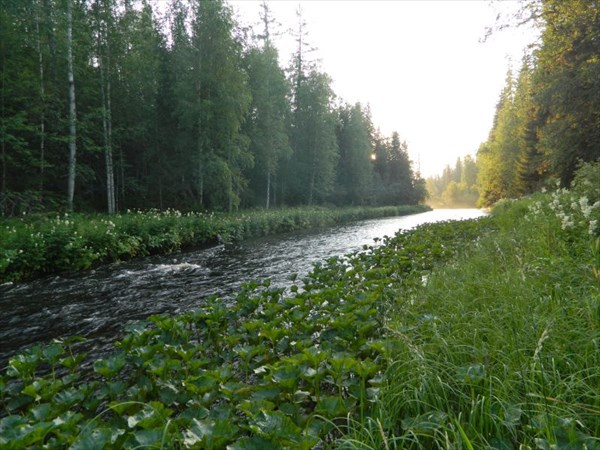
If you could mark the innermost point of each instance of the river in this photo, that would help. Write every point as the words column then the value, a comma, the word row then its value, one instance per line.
column 99, row 303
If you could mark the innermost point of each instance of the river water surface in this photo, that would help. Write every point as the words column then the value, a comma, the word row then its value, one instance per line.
column 99, row 303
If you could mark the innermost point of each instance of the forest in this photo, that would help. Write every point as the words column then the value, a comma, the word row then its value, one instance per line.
column 547, row 120
column 110, row 105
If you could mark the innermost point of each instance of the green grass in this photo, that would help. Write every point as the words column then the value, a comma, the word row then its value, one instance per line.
column 501, row 347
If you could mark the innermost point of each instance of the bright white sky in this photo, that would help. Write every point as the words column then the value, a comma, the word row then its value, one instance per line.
column 420, row 65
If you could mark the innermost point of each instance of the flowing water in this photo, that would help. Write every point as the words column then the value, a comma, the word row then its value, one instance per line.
column 99, row 303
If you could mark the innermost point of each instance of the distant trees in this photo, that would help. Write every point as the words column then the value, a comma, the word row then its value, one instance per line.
column 105, row 105
column 548, row 117
column 456, row 187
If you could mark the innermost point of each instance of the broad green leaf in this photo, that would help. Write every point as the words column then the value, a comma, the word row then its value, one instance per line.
column 69, row 397
column 286, row 375
column 111, row 366
column 72, row 362
column 266, row 393
column 275, row 424
column 95, row 439
column 42, row 412
column 211, row 433
column 331, row 407
column 153, row 414
column 253, row 443
column 149, row 438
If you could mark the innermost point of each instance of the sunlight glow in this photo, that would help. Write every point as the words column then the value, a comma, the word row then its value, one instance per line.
column 420, row 65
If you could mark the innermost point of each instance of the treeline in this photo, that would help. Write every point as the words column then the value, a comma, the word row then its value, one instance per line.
column 548, row 116
column 456, row 187
column 107, row 105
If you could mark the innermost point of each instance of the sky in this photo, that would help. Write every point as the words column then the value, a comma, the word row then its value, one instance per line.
column 421, row 66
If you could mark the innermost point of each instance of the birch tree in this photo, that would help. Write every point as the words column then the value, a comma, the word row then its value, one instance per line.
column 72, row 109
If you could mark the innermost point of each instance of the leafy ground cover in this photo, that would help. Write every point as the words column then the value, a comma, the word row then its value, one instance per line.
column 279, row 368
column 478, row 334
column 35, row 245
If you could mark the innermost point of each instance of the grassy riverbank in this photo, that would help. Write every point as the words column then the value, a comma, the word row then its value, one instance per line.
column 501, row 347
column 35, row 245
column 479, row 334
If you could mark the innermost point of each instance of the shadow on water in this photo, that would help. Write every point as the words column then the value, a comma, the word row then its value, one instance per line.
column 98, row 304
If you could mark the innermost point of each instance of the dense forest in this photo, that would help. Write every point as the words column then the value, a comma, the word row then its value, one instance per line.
column 107, row 105
column 547, row 119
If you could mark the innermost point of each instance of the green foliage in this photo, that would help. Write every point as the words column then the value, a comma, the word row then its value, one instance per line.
column 395, row 182
column 270, row 108
column 546, row 120
column 355, row 173
column 186, row 113
column 567, row 85
column 311, row 171
column 468, row 334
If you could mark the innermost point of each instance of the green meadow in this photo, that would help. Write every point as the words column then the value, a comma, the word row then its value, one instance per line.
column 454, row 335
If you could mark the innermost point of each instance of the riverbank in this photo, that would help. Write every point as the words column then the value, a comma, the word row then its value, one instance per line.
column 477, row 334
column 33, row 246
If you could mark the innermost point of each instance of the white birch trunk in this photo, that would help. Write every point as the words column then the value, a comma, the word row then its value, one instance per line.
column 268, row 189
column 72, row 109
column 43, row 100
column 107, row 118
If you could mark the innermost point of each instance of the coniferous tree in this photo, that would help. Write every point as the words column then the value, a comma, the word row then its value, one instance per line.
column 567, row 84
column 355, row 169
column 315, row 144
column 269, row 110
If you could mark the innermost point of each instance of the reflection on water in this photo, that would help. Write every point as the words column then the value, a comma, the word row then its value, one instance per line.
column 99, row 303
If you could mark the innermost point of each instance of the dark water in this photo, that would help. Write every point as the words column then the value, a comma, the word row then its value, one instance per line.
column 98, row 304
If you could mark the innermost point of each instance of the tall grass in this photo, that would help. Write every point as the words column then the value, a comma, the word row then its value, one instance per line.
column 500, row 348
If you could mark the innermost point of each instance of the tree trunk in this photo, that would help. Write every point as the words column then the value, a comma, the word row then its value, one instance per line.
column 106, row 117
column 43, row 101
column 199, row 142
column 72, row 109
column 268, row 189
column 2, row 114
